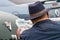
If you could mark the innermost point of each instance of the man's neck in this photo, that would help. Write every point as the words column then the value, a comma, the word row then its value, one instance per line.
column 42, row 19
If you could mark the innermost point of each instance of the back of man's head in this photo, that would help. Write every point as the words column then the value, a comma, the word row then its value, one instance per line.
column 37, row 11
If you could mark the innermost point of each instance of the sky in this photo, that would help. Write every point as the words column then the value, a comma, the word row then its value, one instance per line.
column 6, row 3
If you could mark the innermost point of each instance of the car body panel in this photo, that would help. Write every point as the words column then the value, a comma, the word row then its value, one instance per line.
column 5, row 33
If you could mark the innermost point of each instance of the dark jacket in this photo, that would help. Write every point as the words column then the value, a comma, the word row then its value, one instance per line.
column 44, row 30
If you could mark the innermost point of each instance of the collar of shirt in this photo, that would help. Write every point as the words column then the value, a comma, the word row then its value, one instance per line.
column 41, row 22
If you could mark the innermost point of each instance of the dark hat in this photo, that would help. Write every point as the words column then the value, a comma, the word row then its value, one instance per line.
column 36, row 7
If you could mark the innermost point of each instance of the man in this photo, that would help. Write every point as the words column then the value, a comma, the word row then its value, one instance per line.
column 43, row 28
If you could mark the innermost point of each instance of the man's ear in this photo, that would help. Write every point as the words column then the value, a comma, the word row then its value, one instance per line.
column 47, row 14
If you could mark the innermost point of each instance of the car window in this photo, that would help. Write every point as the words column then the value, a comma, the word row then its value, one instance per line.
column 54, row 13
column 55, row 9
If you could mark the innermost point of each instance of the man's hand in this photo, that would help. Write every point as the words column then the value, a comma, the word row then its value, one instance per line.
column 18, row 33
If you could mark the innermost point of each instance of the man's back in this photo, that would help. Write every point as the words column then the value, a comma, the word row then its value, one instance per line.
column 44, row 30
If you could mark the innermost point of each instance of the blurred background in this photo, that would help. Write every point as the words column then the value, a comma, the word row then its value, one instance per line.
column 15, row 13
